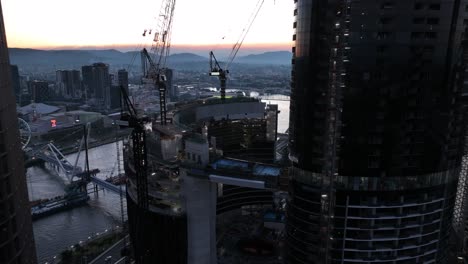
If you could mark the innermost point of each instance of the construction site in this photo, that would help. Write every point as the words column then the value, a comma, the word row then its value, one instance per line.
column 203, row 182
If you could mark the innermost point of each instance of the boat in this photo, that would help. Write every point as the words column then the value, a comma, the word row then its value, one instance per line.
column 46, row 207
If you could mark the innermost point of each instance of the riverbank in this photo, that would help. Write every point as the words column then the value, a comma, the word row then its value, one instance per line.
column 89, row 250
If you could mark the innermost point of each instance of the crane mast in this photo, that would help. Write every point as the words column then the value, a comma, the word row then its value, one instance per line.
column 216, row 69
column 154, row 61
column 131, row 119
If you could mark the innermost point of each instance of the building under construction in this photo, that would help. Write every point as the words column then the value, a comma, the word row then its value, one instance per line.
column 213, row 159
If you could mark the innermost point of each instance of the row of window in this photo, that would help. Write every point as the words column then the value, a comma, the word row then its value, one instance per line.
column 417, row 20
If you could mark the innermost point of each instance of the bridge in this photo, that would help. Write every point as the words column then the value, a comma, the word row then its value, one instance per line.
column 50, row 154
column 107, row 185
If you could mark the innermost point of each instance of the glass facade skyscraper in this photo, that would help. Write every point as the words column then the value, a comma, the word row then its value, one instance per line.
column 376, row 130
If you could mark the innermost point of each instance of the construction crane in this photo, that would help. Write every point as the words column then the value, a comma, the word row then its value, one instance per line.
column 154, row 62
column 131, row 119
column 216, row 69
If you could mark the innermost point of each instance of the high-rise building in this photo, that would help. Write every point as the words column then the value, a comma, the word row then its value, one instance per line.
column 68, row 84
column 376, row 132
column 16, row 81
column 16, row 236
column 122, row 76
column 87, row 81
column 39, row 91
column 171, row 89
column 96, row 82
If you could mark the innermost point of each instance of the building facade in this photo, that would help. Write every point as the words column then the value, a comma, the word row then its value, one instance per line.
column 122, row 76
column 68, row 84
column 97, row 83
column 40, row 91
column 376, row 130
column 16, row 236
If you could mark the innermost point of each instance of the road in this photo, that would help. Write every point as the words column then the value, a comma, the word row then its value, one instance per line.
column 113, row 251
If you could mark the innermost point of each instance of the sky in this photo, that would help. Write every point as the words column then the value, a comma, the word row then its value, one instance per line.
column 199, row 25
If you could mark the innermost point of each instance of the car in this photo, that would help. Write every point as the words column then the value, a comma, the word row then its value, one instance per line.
column 108, row 259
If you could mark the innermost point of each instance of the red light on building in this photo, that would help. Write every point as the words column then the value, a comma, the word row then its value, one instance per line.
column 53, row 123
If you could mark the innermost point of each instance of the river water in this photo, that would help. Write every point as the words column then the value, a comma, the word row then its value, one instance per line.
column 60, row 231
column 283, row 117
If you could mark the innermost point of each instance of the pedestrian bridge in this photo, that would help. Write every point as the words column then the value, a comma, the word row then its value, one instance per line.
column 54, row 157
column 107, row 185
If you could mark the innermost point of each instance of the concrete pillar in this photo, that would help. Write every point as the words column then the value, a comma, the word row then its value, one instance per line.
column 200, row 203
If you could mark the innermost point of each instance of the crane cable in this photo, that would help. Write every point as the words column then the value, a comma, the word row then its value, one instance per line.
column 237, row 46
column 140, row 46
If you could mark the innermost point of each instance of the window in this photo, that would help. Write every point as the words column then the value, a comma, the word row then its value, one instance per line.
column 383, row 35
column 430, row 35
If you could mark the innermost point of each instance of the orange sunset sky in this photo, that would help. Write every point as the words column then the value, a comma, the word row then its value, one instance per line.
column 199, row 25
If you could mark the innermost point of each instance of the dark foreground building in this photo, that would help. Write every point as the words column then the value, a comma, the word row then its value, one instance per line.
column 16, row 237
column 375, row 130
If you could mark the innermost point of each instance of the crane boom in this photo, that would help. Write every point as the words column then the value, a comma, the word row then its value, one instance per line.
column 216, row 69
column 160, row 48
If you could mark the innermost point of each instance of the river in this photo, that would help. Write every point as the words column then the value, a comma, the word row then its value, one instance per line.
column 60, row 231
column 283, row 117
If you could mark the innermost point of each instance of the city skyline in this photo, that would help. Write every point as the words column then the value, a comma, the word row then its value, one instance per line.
column 197, row 26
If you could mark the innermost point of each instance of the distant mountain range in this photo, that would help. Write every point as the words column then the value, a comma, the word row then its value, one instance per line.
column 273, row 57
column 77, row 58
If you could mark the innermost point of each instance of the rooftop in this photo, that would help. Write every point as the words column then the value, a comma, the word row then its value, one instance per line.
column 40, row 108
